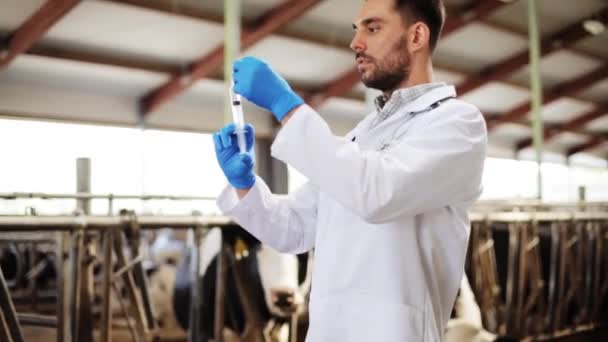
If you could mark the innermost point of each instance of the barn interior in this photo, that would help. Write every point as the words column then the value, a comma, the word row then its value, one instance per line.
column 108, row 179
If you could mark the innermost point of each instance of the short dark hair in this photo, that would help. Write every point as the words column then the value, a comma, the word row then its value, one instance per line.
column 430, row 12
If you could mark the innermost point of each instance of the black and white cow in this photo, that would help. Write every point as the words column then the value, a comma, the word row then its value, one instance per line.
column 466, row 324
column 272, row 278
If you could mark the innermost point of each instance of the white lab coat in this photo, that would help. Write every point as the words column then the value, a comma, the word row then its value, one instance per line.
column 386, row 214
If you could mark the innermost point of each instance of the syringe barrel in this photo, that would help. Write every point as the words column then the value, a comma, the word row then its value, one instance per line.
column 239, row 121
column 237, row 111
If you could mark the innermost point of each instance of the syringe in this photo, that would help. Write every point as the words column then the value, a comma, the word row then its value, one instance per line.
column 238, row 119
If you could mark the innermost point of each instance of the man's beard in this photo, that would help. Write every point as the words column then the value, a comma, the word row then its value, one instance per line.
column 387, row 74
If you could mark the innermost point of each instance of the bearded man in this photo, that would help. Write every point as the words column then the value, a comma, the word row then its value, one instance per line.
column 385, row 207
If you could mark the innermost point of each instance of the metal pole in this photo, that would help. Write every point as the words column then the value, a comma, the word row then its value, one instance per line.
column 82, row 270
column 125, row 313
column 76, row 262
column 511, row 274
column 126, row 268
column 8, row 312
column 83, row 183
column 110, row 205
column 141, row 280
column 137, row 309
column 232, row 46
column 5, row 334
column 32, row 280
column 63, row 287
column 536, row 90
column 87, row 290
column 106, row 311
column 37, row 320
column 582, row 193
column 220, row 293
column 87, row 195
column 42, row 224
column 195, row 241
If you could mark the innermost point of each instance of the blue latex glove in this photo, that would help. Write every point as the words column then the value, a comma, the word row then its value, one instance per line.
column 258, row 83
column 238, row 167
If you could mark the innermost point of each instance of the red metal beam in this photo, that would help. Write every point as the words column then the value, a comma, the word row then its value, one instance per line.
column 268, row 23
column 85, row 56
column 562, row 39
column 569, row 126
column 568, row 88
column 593, row 143
column 481, row 9
column 336, row 87
column 82, row 56
column 34, row 28
column 586, row 118
column 176, row 8
column 346, row 82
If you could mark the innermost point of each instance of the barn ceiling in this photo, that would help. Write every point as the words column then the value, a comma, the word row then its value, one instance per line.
column 120, row 61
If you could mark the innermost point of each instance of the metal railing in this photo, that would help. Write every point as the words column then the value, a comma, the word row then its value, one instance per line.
column 73, row 237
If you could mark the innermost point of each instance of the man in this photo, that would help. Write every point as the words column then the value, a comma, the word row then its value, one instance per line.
column 386, row 206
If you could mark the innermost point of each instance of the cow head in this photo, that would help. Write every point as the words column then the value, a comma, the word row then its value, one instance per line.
column 279, row 276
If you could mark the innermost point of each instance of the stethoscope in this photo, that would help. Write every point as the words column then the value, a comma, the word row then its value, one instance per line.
column 410, row 115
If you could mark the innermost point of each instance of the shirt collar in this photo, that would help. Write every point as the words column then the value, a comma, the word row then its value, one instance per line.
column 405, row 95
column 414, row 98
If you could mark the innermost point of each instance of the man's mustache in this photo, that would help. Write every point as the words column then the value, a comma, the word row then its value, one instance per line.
column 362, row 55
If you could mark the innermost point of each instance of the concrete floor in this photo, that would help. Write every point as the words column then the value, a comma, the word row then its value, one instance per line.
column 35, row 334
column 597, row 335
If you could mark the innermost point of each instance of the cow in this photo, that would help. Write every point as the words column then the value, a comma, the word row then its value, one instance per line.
column 276, row 289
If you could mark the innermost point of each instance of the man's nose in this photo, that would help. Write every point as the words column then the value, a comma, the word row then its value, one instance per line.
column 357, row 44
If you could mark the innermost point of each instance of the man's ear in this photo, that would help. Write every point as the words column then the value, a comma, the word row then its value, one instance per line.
column 418, row 36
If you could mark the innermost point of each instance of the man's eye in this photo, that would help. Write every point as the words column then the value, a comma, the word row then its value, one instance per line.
column 372, row 29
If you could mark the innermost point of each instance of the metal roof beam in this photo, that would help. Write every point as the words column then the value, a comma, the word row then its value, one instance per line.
column 570, row 126
column 480, row 10
column 33, row 29
column 593, row 143
column 173, row 8
column 267, row 24
column 337, row 87
column 565, row 89
column 560, row 40
column 85, row 56
column 55, row 52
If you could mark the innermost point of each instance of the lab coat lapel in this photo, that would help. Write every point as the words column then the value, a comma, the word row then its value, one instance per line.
column 420, row 104
column 382, row 136
column 427, row 100
column 377, row 137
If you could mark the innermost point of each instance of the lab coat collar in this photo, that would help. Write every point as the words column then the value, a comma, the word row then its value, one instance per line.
column 428, row 99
